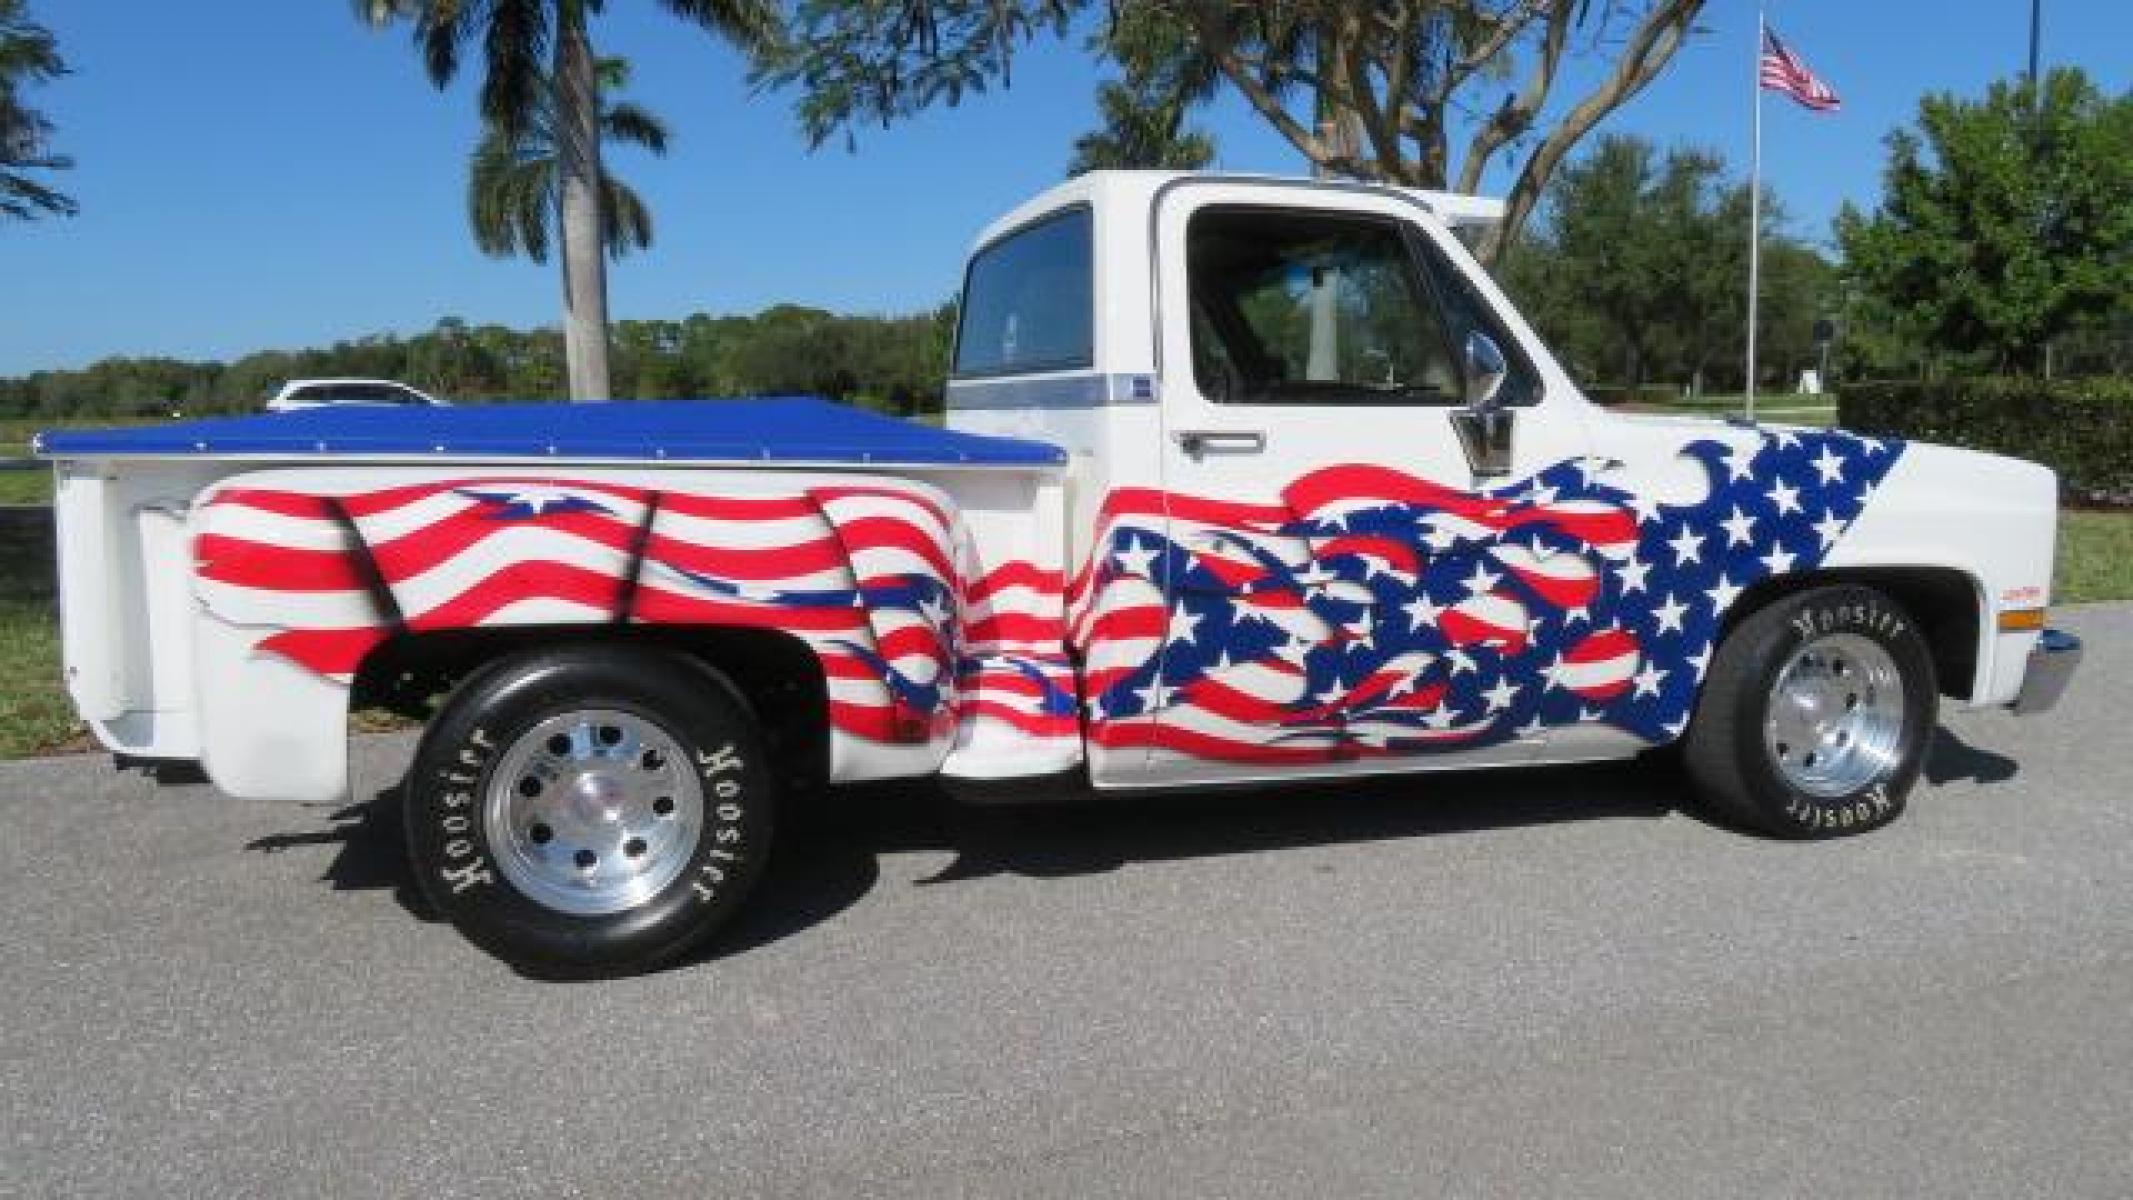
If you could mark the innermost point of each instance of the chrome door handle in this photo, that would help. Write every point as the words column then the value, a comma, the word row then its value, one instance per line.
column 1233, row 441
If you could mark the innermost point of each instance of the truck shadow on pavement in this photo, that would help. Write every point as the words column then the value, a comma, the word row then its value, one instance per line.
column 830, row 848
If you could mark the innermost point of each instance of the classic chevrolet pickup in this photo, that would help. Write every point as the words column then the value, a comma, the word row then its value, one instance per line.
column 1242, row 479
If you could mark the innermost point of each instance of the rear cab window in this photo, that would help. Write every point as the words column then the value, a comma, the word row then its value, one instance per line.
column 1029, row 301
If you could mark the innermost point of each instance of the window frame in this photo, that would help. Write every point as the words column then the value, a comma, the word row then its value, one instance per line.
column 1436, row 263
column 1423, row 262
column 1086, row 360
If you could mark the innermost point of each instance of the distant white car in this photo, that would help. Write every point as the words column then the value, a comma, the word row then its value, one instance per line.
column 322, row 393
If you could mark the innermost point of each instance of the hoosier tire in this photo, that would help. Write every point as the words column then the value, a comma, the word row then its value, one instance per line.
column 1816, row 716
column 590, row 810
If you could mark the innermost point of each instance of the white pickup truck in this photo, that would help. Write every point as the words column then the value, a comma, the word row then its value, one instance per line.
column 1242, row 480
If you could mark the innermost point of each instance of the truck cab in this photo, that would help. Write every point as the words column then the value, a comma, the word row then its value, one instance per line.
column 1318, row 383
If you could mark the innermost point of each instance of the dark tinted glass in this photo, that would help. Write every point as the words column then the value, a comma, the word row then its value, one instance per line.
column 358, row 393
column 1466, row 312
column 1312, row 308
column 1028, row 301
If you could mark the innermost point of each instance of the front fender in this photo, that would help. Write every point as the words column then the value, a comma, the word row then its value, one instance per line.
column 1993, row 519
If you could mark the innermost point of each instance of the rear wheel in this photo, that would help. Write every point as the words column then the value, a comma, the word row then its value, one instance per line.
column 590, row 810
column 1816, row 716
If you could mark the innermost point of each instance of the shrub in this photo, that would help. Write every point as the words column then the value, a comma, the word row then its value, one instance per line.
column 2081, row 428
column 1648, row 394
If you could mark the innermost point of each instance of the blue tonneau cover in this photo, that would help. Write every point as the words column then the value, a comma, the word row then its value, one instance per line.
column 774, row 429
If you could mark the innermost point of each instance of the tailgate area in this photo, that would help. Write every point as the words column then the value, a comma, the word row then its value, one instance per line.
column 125, row 601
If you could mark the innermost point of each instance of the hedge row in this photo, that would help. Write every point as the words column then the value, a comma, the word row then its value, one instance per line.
column 1650, row 393
column 2081, row 428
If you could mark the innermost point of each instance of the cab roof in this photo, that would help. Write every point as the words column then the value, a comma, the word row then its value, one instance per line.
column 1138, row 189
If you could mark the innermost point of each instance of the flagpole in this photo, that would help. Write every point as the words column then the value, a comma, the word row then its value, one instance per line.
column 1755, row 204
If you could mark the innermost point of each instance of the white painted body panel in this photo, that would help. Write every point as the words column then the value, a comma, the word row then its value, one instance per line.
column 1995, row 519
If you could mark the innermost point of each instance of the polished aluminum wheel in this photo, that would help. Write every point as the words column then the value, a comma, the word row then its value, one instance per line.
column 594, row 811
column 1834, row 717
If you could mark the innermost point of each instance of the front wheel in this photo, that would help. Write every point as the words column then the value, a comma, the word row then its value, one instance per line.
column 590, row 810
column 1816, row 716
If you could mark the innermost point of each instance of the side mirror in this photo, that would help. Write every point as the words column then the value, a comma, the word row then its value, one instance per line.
column 1485, row 370
column 1484, row 425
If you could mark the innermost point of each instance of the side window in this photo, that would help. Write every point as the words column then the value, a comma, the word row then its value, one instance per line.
column 1029, row 301
column 1312, row 308
column 1466, row 312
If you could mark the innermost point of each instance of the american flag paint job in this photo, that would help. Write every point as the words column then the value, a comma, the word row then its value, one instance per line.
column 1371, row 613
column 864, row 574
column 1366, row 613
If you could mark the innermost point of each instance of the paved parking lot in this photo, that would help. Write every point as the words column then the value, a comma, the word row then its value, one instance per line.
column 1541, row 983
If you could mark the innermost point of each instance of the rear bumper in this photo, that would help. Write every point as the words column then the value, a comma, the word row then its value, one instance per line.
column 2051, row 664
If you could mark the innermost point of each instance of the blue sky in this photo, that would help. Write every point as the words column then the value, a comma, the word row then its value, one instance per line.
column 267, row 173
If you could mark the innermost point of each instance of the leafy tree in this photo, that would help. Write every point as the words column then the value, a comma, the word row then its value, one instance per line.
column 1140, row 131
column 29, row 55
column 893, row 363
column 1638, row 269
column 514, row 186
column 2003, row 224
column 540, row 52
column 1144, row 113
column 1371, row 91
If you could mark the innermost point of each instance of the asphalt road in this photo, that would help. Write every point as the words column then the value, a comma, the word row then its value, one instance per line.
column 1549, row 983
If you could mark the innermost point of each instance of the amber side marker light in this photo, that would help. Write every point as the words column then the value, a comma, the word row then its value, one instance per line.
column 2020, row 620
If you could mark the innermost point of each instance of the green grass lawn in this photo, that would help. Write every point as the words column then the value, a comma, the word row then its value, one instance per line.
column 35, row 715
column 26, row 487
column 35, row 486
column 1785, row 409
column 2095, row 557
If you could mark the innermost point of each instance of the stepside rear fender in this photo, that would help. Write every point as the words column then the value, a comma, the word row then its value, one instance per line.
column 299, row 574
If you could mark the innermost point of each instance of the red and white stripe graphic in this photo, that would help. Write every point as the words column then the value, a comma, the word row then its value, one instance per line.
column 1015, row 669
column 289, row 562
column 1600, row 666
column 1493, row 618
column 1564, row 579
column 334, row 576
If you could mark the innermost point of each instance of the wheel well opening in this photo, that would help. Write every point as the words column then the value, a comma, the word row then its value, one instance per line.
column 412, row 674
column 1943, row 601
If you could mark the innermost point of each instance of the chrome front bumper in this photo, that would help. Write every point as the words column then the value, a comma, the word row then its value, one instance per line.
column 2051, row 663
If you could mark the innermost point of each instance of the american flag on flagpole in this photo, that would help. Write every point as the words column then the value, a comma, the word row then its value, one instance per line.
column 1782, row 71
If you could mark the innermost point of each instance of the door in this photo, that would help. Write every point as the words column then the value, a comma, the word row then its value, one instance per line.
column 1346, row 593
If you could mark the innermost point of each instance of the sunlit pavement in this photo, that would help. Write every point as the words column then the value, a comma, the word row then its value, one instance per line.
column 1547, row 982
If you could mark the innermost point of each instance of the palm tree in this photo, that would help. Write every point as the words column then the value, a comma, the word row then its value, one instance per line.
column 28, row 55
column 517, row 36
column 1140, row 131
column 514, row 189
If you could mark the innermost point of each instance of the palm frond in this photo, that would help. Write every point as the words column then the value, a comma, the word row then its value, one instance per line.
column 510, row 198
column 748, row 24
column 380, row 13
column 441, row 27
column 626, row 224
column 636, row 126
column 516, row 42
column 24, row 199
column 612, row 73
column 514, row 180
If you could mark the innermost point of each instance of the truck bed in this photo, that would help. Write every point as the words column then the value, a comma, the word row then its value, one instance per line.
column 164, row 666
column 777, row 430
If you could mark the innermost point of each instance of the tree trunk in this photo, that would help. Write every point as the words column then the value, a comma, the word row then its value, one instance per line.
column 584, row 256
